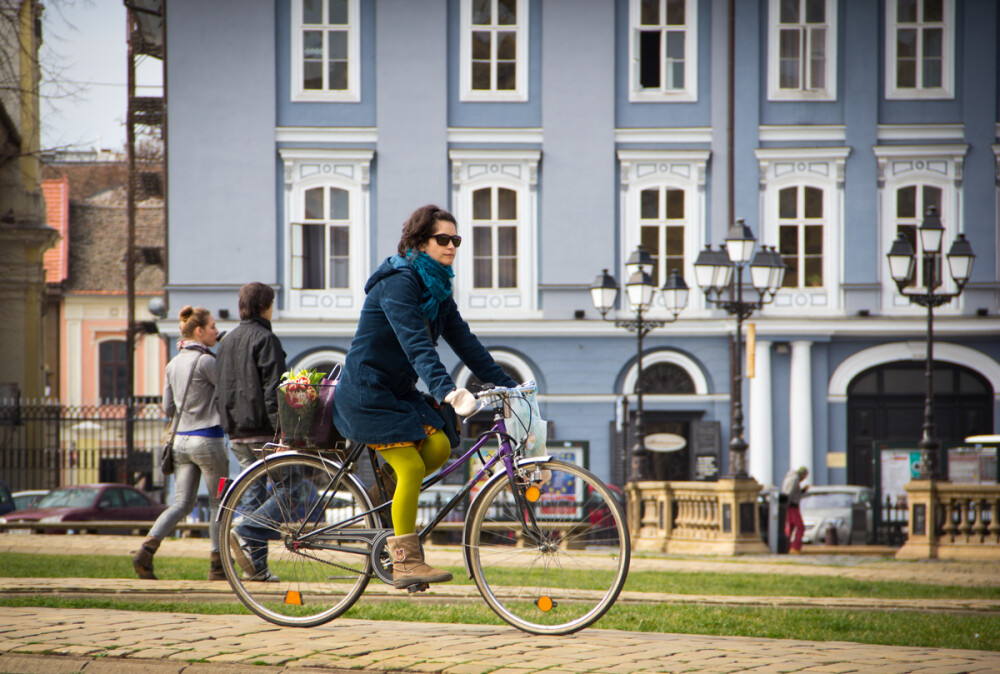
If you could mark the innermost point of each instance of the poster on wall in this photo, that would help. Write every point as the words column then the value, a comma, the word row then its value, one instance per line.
column 898, row 466
column 561, row 495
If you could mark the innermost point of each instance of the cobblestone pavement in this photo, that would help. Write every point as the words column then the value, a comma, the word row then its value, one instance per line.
column 109, row 641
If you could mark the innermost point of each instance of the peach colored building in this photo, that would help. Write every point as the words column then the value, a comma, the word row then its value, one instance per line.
column 86, row 203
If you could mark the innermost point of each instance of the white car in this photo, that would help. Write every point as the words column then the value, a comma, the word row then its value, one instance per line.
column 835, row 506
column 28, row 498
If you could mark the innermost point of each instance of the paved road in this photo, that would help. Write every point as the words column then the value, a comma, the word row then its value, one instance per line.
column 105, row 641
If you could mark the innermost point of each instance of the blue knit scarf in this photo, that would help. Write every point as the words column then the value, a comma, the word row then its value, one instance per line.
column 437, row 281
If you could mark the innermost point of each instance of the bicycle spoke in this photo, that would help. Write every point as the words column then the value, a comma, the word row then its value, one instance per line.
column 300, row 576
column 533, row 558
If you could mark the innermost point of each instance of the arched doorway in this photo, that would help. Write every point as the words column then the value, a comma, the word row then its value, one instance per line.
column 668, row 378
column 886, row 404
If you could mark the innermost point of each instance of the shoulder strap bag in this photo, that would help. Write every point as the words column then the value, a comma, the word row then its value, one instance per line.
column 167, row 451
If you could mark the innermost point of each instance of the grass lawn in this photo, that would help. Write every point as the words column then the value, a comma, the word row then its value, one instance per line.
column 903, row 628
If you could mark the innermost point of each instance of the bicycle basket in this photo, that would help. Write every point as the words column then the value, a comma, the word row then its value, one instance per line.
column 525, row 424
column 305, row 414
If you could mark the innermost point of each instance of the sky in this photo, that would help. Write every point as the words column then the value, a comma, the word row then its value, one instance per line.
column 85, row 74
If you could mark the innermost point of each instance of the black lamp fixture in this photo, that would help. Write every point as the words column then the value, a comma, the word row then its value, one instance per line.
column 641, row 291
column 925, row 292
column 720, row 272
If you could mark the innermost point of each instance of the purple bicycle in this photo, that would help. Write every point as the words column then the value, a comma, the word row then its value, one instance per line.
column 545, row 541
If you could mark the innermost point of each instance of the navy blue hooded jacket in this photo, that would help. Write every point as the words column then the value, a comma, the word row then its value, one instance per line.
column 377, row 400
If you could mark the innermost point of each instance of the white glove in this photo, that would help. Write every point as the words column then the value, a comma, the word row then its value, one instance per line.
column 464, row 402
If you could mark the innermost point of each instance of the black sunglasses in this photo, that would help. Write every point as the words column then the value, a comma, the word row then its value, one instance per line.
column 443, row 239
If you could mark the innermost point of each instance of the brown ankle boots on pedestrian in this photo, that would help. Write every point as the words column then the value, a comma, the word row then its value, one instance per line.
column 408, row 566
column 142, row 559
column 215, row 571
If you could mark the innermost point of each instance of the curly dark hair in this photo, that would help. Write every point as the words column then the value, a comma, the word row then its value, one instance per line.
column 419, row 227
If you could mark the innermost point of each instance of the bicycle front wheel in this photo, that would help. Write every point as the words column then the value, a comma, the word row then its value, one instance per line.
column 288, row 545
column 550, row 553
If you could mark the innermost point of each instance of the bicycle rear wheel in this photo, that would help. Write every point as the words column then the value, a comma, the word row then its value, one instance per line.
column 551, row 554
column 280, row 569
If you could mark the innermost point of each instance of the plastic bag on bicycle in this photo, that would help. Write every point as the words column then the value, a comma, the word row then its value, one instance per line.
column 526, row 424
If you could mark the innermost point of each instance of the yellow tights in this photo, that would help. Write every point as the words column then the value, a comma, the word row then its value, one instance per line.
column 412, row 466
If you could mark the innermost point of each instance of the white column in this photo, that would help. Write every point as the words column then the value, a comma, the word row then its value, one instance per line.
column 760, row 430
column 800, row 409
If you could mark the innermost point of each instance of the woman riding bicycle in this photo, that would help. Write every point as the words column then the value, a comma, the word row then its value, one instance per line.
column 408, row 307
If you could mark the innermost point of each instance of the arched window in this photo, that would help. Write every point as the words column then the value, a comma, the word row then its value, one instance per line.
column 800, row 235
column 324, row 360
column 912, row 202
column 113, row 363
column 494, row 238
column 321, row 242
column 664, row 377
column 662, row 222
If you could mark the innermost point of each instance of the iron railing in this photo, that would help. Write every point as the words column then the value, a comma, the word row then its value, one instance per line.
column 46, row 444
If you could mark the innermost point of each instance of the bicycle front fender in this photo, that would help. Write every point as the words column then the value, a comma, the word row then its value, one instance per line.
column 497, row 477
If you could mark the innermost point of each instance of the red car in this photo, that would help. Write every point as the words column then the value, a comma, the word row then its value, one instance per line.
column 89, row 503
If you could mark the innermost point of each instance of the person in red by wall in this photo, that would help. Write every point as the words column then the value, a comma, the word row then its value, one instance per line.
column 794, row 527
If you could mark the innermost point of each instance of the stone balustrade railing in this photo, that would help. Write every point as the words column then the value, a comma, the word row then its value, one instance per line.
column 952, row 521
column 711, row 518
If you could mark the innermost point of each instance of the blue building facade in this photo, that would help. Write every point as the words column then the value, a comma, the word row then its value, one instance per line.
column 564, row 133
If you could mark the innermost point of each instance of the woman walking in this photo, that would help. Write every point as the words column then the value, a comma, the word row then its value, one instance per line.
column 199, row 446
column 407, row 308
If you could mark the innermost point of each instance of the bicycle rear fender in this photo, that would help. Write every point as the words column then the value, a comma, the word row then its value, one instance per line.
column 501, row 474
column 333, row 465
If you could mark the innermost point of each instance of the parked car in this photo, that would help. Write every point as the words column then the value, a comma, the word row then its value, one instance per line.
column 28, row 498
column 846, row 508
column 89, row 503
column 6, row 499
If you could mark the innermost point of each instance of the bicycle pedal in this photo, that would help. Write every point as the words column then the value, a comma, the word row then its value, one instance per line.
column 417, row 587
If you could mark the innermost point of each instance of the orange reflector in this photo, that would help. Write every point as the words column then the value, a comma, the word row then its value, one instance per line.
column 545, row 604
column 532, row 493
column 293, row 597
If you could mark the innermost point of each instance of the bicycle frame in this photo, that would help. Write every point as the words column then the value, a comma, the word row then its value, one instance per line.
column 505, row 454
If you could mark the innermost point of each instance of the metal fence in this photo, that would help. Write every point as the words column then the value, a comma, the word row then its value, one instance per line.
column 46, row 444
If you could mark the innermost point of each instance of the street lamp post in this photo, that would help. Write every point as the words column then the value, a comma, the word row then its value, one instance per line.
column 640, row 289
column 714, row 272
column 902, row 267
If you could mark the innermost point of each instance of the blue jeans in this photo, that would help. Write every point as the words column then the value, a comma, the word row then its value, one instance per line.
column 289, row 499
column 194, row 456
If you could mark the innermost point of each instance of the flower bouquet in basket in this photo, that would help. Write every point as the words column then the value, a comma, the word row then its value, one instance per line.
column 305, row 406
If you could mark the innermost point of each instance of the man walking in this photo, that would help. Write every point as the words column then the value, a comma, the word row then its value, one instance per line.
column 794, row 526
column 249, row 365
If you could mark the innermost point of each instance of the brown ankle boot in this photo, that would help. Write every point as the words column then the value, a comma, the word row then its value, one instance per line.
column 408, row 566
column 215, row 571
column 142, row 559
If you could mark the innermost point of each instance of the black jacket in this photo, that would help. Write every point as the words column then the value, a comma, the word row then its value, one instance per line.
column 248, row 366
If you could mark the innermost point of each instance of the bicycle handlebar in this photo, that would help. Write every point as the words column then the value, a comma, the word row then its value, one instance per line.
column 505, row 392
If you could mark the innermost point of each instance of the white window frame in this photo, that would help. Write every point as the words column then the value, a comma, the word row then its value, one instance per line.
column 823, row 168
column 516, row 170
column 900, row 166
column 518, row 94
column 800, row 222
column 352, row 94
column 947, row 88
column 689, row 94
column 802, row 93
column 674, row 169
column 347, row 170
